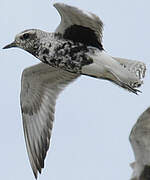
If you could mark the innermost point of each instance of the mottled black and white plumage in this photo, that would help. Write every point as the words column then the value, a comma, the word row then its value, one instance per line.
column 140, row 141
column 74, row 49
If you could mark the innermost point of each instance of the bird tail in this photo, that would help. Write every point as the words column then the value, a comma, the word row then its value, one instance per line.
column 133, row 66
column 126, row 73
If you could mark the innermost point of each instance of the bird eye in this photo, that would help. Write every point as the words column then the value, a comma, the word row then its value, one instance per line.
column 25, row 36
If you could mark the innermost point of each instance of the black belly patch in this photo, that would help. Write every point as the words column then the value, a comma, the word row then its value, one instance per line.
column 85, row 35
column 46, row 51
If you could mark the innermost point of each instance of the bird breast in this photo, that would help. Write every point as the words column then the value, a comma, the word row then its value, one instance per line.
column 65, row 54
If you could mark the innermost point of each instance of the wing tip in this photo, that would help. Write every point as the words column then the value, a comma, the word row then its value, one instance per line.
column 35, row 174
column 36, row 171
column 58, row 4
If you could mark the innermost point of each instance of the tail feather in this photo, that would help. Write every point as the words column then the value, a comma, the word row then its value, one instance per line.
column 133, row 66
column 130, row 86
column 126, row 73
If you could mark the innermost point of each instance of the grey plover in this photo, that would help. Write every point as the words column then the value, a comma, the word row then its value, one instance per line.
column 74, row 49
column 140, row 141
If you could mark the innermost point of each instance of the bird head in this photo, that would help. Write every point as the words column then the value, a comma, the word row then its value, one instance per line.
column 27, row 40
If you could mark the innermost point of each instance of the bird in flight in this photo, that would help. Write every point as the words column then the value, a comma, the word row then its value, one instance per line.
column 140, row 142
column 74, row 49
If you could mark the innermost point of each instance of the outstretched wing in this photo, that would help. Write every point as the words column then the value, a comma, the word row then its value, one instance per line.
column 40, row 87
column 79, row 26
column 140, row 141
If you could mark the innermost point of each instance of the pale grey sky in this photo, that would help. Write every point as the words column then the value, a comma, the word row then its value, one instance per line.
column 93, row 117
